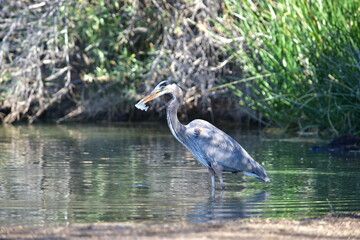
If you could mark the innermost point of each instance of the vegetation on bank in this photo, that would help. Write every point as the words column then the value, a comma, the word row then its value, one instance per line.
column 293, row 64
column 299, row 61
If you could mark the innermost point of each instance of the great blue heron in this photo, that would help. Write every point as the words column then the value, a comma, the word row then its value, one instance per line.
column 213, row 148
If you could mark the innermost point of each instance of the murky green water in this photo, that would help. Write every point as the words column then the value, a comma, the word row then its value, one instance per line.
column 51, row 175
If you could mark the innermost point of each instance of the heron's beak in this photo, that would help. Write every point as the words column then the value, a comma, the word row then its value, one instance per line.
column 151, row 96
column 141, row 104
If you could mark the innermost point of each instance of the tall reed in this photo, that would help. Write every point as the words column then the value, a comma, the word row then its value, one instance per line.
column 304, row 60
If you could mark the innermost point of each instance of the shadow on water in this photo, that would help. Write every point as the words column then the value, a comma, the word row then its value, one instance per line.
column 52, row 175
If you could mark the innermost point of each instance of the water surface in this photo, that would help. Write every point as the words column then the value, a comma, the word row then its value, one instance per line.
column 55, row 175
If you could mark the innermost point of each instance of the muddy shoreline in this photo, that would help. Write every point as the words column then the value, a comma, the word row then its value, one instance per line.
column 329, row 227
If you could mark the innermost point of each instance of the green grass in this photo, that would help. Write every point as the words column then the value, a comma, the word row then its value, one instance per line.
column 299, row 61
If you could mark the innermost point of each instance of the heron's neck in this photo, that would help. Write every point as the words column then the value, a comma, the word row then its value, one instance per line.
column 177, row 129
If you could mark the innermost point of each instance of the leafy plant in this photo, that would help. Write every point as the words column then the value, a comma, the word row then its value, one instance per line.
column 304, row 58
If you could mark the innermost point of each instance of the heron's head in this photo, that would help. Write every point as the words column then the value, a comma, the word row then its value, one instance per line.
column 162, row 88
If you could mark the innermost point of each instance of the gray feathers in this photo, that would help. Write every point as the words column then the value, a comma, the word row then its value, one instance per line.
column 213, row 148
column 210, row 143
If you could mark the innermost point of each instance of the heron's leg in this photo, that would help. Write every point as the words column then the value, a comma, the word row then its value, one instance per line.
column 212, row 175
column 218, row 171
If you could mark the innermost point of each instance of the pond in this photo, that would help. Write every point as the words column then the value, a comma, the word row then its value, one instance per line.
column 57, row 175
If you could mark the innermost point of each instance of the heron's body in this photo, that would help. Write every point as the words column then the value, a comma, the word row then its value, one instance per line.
column 213, row 148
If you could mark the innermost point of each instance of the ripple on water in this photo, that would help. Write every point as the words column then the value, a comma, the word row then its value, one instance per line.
column 51, row 175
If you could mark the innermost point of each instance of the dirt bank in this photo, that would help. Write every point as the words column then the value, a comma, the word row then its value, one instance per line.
column 331, row 227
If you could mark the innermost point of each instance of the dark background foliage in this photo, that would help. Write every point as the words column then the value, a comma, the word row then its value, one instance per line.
column 295, row 66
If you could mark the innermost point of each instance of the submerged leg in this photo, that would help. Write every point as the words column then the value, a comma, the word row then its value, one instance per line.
column 218, row 171
column 212, row 175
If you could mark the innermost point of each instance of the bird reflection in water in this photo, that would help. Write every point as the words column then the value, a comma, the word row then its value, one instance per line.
column 229, row 208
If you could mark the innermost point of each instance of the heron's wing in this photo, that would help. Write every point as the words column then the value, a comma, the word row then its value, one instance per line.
column 216, row 146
